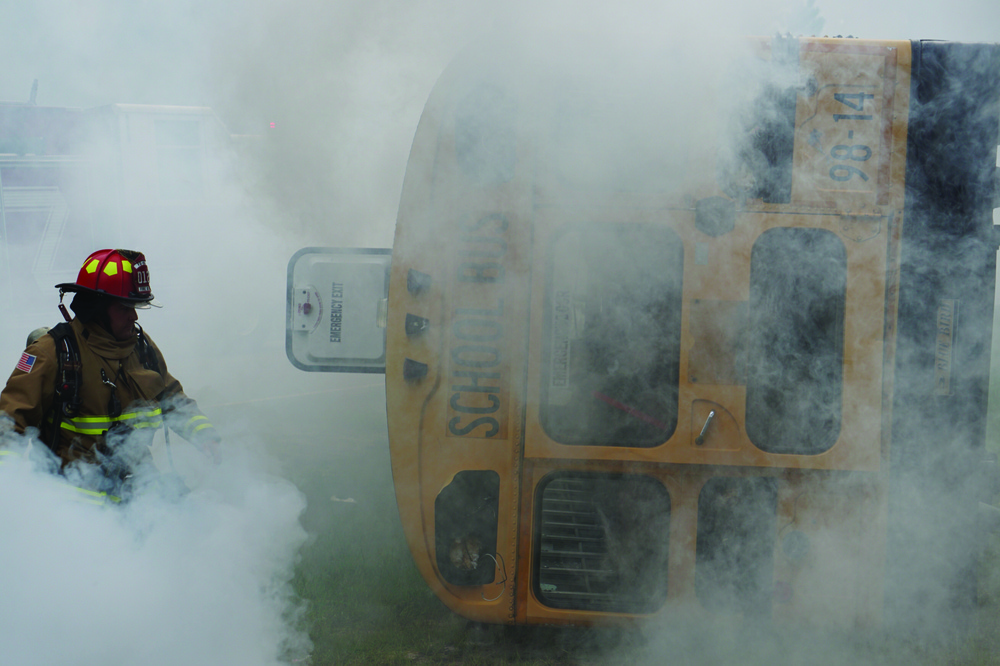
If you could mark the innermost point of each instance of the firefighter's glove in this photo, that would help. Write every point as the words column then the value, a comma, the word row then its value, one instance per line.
column 213, row 449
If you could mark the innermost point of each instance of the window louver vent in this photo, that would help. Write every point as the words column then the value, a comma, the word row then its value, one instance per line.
column 603, row 543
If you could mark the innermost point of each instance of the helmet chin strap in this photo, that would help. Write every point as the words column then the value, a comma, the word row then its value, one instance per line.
column 62, row 308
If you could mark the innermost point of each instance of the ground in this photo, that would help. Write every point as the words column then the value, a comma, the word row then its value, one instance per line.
column 367, row 604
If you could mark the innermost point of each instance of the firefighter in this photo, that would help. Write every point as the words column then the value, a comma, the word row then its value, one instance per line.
column 97, row 387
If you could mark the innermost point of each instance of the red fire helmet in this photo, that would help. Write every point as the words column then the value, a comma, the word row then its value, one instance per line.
column 120, row 274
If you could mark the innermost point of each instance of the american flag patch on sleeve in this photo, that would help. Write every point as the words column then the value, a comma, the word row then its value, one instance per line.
column 26, row 363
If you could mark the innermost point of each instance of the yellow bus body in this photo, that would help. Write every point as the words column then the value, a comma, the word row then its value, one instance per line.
column 484, row 255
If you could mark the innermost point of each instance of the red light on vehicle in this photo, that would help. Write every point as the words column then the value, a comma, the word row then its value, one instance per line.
column 272, row 125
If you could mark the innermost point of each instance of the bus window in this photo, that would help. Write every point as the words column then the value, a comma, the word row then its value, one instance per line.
column 465, row 534
column 602, row 542
column 798, row 282
column 734, row 551
column 612, row 338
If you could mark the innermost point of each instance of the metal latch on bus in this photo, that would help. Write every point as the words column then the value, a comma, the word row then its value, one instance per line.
column 306, row 308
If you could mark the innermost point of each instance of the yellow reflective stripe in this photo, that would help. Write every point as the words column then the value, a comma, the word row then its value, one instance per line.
column 92, row 496
column 103, row 429
column 149, row 419
column 99, row 497
column 100, row 430
column 96, row 425
column 156, row 411
column 152, row 413
column 192, row 426
column 148, row 414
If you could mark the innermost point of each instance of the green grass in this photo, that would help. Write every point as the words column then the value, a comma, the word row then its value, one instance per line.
column 367, row 603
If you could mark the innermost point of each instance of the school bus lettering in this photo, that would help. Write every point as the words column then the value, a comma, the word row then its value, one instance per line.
column 336, row 311
column 475, row 377
column 476, row 356
column 561, row 323
column 492, row 248
column 482, row 420
column 499, row 218
column 477, row 331
column 482, row 312
column 943, row 347
column 847, row 98
column 486, row 244
column 494, row 405
column 844, row 172
column 843, row 152
column 468, row 397
column 490, row 271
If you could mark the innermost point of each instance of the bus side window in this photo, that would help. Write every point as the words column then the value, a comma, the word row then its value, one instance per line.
column 798, row 284
column 602, row 542
column 734, row 552
column 612, row 341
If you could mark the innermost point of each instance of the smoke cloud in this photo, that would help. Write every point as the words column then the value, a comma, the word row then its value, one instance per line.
column 204, row 579
column 163, row 579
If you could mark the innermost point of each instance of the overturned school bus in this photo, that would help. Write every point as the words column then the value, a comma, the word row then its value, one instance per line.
column 653, row 336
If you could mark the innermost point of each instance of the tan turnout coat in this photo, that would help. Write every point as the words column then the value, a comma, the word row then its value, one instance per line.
column 148, row 398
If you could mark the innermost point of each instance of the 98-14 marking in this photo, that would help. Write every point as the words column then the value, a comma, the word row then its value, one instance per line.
column 855, row 153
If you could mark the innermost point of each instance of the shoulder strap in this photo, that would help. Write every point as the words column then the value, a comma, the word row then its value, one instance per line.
column 147, row 356
column 69, row 377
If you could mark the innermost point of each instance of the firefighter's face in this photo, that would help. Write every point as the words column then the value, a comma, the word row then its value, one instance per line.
column 122, row 317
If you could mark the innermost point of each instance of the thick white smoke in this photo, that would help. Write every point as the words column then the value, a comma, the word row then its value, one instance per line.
column 205, row 579
column 197, row 579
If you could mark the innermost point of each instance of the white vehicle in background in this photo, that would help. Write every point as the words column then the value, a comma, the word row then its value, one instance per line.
column 74, row 179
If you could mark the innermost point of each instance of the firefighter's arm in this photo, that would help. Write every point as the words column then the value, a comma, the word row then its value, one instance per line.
column 29, row 393
column 182, row 415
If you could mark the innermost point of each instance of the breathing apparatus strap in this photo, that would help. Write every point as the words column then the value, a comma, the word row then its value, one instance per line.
column 69, row 376
column 147, row 357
